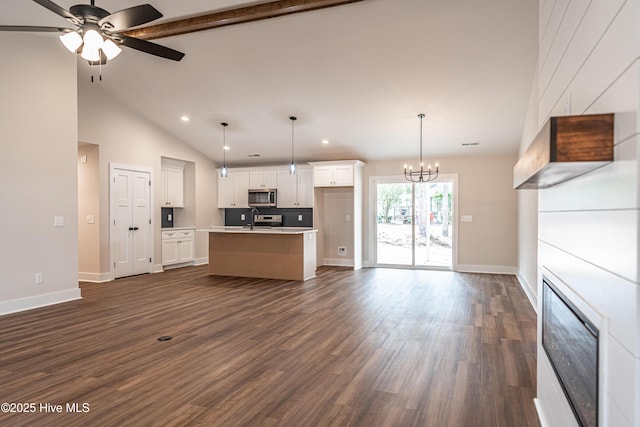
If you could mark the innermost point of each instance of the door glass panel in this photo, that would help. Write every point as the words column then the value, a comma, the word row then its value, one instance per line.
column 433, row 224
column 394, row 224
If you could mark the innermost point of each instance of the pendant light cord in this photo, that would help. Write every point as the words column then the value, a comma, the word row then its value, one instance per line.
column 293, row 119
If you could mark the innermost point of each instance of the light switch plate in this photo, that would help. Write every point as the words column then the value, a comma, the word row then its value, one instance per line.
column 58, row 221
column 91, row 219
column 466, row 218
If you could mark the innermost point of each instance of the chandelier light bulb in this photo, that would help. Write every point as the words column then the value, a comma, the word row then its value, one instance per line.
column 71, row 40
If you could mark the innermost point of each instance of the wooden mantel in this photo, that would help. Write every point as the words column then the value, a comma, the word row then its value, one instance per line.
column 565, row 148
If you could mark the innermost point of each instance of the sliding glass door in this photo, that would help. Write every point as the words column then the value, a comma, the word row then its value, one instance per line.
column 414, row 223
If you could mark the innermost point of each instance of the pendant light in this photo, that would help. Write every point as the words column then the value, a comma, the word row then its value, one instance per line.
column 422, row 175
column 292, row 165
column 224, row 172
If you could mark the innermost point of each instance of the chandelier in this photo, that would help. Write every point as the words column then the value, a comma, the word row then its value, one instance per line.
column 422, row 175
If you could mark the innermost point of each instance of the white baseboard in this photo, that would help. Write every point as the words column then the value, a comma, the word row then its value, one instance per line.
column 338, row 262
column 527, row 290
column 541, row 417
column 488, row 269
column 201, row 261
column 94, row 277
column 157, row 268
column 36, row 301
column 179, row 265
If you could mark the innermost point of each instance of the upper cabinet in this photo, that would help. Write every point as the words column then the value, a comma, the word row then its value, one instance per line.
column 263, row 179
column 233, row 190
column 334, row 174
column 173, row 186
column 295, row 191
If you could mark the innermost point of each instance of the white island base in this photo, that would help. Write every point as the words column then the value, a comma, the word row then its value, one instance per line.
column 277, row 253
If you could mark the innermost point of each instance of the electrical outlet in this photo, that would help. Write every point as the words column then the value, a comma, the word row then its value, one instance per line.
column 299, row 217
column 342, row 251
column 242, row 217
column 38, row 278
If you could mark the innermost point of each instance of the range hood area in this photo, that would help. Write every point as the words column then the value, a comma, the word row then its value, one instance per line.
column 565, row 147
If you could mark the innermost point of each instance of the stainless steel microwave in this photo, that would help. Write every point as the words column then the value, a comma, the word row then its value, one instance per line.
column 258, row 198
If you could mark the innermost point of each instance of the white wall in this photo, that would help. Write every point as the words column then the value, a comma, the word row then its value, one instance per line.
column 88, row 206
column 38, row 119
column 588, row 228
column 126, row 137
column 489, row 243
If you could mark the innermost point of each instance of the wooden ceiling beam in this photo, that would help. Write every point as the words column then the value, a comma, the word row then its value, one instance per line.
column 256, row 12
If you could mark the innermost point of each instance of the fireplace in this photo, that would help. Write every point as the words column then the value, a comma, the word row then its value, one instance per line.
column 570, row 341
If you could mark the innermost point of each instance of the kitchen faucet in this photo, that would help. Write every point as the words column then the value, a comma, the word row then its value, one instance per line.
column 253, row 218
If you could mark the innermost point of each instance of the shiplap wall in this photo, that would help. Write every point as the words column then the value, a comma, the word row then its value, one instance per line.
column 588, row 228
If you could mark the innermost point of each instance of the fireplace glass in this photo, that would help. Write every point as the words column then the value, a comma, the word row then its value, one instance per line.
column 571, row 343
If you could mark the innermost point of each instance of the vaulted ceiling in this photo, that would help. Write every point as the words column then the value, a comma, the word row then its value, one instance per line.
column 356, row 75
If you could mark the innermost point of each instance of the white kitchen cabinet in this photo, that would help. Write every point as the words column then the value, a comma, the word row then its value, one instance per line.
column 295, row 191
column 333, row 175
column 263, row 179
column 233, row 190
column 173, row 187
column 177, row 246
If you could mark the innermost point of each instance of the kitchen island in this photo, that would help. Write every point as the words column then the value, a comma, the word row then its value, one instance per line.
column 287, row 253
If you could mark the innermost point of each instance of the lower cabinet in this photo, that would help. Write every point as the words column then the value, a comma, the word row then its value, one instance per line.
column 177, row 246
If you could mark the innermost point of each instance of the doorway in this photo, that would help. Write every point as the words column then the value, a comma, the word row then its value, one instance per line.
column 414, row 223
column 130, row 220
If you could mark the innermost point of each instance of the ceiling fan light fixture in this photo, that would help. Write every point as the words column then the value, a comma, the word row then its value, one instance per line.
column 111, row 49
column 90, row 55
column 71, row 40
column 92, row 40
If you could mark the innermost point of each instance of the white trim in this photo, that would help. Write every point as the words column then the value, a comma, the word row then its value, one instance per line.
column 28, row 303
column 157, row 268
column 177, row 265
column 337, row 262
column 528, row 292
column 541, row 418
column 201, row 261
column 488, row 269
column 94, row 277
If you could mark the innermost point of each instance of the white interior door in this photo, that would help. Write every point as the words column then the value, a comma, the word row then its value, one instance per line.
column 130, row 222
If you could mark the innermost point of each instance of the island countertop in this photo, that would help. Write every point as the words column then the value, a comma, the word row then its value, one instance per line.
column 259, row 230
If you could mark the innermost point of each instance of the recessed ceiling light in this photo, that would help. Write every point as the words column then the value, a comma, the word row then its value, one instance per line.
column 325, row 141
column 184, row 118
column 226, row 147
column 470, row 144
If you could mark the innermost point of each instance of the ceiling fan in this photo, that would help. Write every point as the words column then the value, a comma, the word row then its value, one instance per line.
column 97, row 35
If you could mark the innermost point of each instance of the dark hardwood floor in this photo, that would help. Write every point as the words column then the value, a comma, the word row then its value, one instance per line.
column 375, row 347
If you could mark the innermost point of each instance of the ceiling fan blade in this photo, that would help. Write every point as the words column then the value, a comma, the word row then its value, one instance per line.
column 33, row 28
column 131, row 17
column 151, row 48
column 58, row 10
